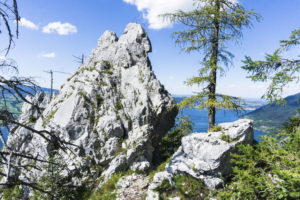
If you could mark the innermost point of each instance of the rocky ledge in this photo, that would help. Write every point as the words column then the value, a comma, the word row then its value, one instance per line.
column 205, row 156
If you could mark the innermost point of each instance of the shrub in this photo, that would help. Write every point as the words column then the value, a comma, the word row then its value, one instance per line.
column 12, row 193
column 170, row 143
column 185, row 187
column 226, row 138
column 108, row 189
column 99, row 100
column 268, row 170
column 215, row 129
column 118, row 105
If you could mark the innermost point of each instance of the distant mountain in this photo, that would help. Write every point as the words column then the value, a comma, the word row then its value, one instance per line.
column 13, row 105
column 271, row 117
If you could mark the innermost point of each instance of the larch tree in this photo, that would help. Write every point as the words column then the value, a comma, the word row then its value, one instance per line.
column 275, row 68
column 209, row 29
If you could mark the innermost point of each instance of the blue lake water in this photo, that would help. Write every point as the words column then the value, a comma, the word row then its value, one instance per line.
column 200, row 119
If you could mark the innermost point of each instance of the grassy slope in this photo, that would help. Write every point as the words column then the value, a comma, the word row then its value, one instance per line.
column 270, row 117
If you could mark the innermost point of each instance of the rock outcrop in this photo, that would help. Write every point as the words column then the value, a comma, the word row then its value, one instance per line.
column 132, row 187
column 206, row 156
column 113, row 110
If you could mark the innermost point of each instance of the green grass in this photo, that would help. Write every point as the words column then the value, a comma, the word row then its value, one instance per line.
column 108, row 189
column 215, row 129
column 185, row 187
column 226, row 138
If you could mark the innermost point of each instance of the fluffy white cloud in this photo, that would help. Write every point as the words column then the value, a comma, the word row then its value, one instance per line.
column 28, row 24
column 60, row 28
column 2, row 58
column 48, row 55
column 152, row 9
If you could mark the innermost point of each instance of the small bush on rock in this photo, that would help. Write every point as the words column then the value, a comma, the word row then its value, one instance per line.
column 215, row 129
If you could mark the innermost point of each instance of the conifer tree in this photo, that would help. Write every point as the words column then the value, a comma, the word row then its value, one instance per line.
column 209, row 28
column 275, row 68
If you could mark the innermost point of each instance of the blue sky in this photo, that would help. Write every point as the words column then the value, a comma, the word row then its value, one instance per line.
column 54, row 30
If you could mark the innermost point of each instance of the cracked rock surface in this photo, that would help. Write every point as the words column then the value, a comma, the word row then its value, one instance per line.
column 205, row 156
column 113, row 109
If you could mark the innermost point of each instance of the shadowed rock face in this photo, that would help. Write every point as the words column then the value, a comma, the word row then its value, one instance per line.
column 113, row 109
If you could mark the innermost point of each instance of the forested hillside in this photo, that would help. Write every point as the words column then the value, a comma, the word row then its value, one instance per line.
column 271, row 117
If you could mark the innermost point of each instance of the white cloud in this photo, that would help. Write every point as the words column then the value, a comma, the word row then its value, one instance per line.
column 28, row 24
column 48, row 55
column 151, row 10
column 2, row 58
column 60, row 28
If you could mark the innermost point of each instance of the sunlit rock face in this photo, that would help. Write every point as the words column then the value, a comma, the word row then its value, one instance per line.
column 205, row 156
column 113, row 110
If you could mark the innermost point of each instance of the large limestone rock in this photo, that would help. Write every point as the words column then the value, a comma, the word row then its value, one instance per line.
column 113, row 109
column 206, row 156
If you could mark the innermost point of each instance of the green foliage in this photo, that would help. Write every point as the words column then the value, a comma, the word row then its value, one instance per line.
column 215, row 129
column 13, row 193
column 269, row 170
column 99, row 100
column 56, row 185
column 141, row 76
column 200, row 101
column 184, row 186
column 226, row 138
column 118, row 105
column 292, row 125
column 32, row 119
column 108, row 189
column 170, row 143
column 107, row 67
column 275, row 68
column 209, row 28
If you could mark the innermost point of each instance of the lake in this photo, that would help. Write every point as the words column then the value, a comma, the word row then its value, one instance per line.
column 200, row 119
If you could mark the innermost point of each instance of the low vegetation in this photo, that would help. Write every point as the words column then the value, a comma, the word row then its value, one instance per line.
column 268, row 170
column 170, row 143
column 108, row 190
column 215, row 129
column 226, row 138
column 184, row 186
